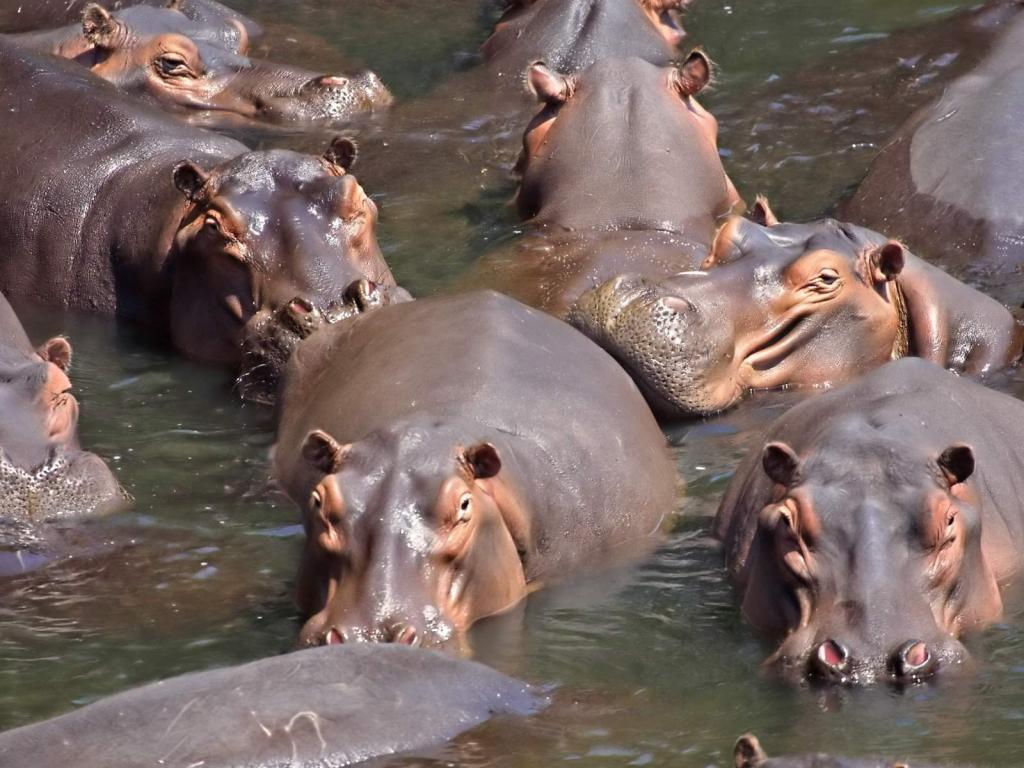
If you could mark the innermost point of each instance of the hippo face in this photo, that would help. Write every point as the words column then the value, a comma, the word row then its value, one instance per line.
column 660, row 168
column 160, row 53
column 413, row 552
column 774, row 306
column 260, row 232
column 873, row 549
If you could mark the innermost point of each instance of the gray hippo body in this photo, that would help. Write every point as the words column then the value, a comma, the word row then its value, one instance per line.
column 313, row 708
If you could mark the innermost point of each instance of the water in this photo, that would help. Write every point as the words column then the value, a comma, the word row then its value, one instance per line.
column 652, row 665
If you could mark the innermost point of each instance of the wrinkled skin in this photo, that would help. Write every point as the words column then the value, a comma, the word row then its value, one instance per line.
column 570, row 35
column 164, row 56
column 620, row 171
column 868, row 534
column 44, row 476
column 948, row 182
column 170, row 227
column 791, row 305
column 325, row 706
column 434, row 494
column 748, row 753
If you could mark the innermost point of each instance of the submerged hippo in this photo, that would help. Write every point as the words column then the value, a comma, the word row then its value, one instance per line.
column 447, row 462
column 44, row 476
column 171, row 227
column 877, row 523
column 651, row 207
column 948, row 183
column 791, row 304
column 570, row 35
column 317, row 707
column 179, row 63
column 748, row 753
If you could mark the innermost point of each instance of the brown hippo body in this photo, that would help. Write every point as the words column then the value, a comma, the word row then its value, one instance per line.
column 501, row 450
column 748, row 753
column 878, row 523
column 620, row 169
column 45, row 477
column 948, row 183
column 123, row 212
column 791, row 305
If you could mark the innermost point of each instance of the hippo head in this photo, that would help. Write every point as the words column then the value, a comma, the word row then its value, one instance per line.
column 264, row 231
column 660, row 168
column 44, row 476
column 785, row 304
column 414, row 552
column 160, row 53
column 748, row 753
column 872, row 548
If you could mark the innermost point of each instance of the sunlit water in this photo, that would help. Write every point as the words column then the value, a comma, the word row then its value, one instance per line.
column 651, row 666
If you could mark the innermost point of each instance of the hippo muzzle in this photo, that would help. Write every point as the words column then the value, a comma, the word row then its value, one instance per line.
column 325, row 98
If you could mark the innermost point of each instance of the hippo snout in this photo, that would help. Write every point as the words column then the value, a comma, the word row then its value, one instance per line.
column 912, row 661
column 66, row 484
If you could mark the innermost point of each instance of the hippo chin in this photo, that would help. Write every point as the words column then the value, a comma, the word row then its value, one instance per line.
column 163, row 55
column 438, row 487
column 790, row 305
column 870, row 534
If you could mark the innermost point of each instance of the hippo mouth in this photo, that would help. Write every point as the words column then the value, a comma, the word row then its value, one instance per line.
column 774, row 347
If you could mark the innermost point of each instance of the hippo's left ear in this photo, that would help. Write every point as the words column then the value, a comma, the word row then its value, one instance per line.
column 99, row 27
column 191, row 180
column 342, row 153
column 481, row 461
column 887, row 262
column 547, row 85
column 780, row 463
column 748, row 752
column 324, row 452
column 694, row 74
column 762, row 212
column 57, row 351
column 957, row 463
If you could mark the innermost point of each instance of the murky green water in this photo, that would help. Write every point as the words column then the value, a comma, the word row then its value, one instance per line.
column 655, row 666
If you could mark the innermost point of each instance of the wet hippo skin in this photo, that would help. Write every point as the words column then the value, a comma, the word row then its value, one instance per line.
column 948, row 182
column 179, row 230
column 324, row 706
column 877, row 524
column 45, row 477
column 199, row 68
column 451, row 454
column 748, row 753
column 620, row 171
column 791, row 305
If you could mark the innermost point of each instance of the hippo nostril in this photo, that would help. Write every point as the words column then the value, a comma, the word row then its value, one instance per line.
column 403, row 634
column 679, row 305
column 335, row 637
column 831, row 659
column 332, row 81
column 913, row 660
column 300, row 306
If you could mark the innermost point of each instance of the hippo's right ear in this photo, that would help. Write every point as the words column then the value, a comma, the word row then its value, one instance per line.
column 342, row 153
column 191, row 180
column 957, row 463
column 480, row 461
column 762, row 212
column 547, row 85
column 887, row 262
column 324, row 452
column 57, row 351
column 99, row 27
column 694, row 73
column 748, row 753
column 780, row 463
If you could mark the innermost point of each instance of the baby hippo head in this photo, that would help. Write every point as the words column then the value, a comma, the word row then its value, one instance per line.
column 411, row 537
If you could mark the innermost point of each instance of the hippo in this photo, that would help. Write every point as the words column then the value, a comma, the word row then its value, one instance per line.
column 311, row 708
column 877, row 523
column 45, row 477
column 570, row 35
column 748, row 753
column 653, row 210
column 791, row 304
column 200, row 68
column 443, row 474
column 186, row 233
column 947, row 183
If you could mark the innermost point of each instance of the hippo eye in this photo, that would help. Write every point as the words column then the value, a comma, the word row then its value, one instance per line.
column 212, row 223
column 172, row 65
column 828, row 276
column 465, row 508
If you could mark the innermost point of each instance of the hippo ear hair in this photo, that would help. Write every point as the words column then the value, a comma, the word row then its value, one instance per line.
column 748, row 752
column 547, row 85
column 480, row 461
column 762, row 212
column 695, row 73
column 957, row 463
column 887, row 261
column 324, row 452
column 98, row 26
column 191, row 180
column 57, row 351
column 342, row 153
column 780, row 463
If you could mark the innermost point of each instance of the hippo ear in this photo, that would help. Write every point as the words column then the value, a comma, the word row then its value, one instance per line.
column 762, row 212
column 780, row 463
column 887, row 262
column 957, row 463
column 324, row 452
column 481, row 461
column 191, row 180
column 748, row 753
column 98, row 26
column 342, row 153
column 694, row 74
column 547, row 85
column 57, row 351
